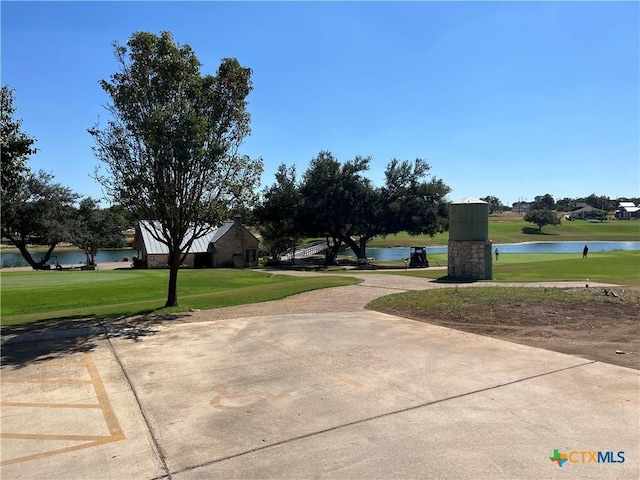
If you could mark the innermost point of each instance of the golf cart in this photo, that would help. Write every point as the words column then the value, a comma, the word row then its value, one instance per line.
column 418, row 257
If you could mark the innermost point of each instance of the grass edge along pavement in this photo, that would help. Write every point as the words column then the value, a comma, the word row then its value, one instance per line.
column 33, row 296
column 576, row 321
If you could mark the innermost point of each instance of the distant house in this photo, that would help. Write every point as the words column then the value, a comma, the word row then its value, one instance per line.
column 521, row 207
column 627, row 211
column 230, row 245
column 587, row 211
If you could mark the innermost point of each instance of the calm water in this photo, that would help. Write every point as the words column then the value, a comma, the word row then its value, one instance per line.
column 391, row 254
column 74, row 257
column 69, row 257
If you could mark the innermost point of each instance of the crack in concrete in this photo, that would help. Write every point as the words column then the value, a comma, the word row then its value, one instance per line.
column 160, row 455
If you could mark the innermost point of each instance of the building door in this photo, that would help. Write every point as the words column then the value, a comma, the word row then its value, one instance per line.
column 202, row 260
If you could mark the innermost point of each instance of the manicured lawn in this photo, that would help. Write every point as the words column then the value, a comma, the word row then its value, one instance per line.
column 619, row 267
column 509, row 230
column 38, row 295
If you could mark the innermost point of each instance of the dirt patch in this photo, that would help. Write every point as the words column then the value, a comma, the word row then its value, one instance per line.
column 598, row 328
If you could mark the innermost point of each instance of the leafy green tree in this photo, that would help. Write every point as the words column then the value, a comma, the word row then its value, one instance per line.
column 277, row 214
column 543, row 202
column 39, row 213
column 411, row 201
column 16, row 147
column 601, row 202
column 542, row 218
column 566, row 205
column 171, row 147
column 495, row 205
column 96, row 228
column 338, row 201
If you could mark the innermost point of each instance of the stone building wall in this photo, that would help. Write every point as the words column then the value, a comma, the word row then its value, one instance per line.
column 231, row 249
column 470, row 259
column 162, row 261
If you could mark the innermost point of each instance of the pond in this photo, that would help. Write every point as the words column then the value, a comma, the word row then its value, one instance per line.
column 67, row 257
column 393, row 254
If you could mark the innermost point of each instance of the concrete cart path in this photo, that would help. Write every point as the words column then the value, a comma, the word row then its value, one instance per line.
column 332, row 395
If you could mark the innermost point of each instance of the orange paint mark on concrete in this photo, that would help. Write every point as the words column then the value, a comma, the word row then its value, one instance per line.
column 110, row 418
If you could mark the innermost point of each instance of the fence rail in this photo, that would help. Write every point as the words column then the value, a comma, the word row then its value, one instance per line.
column 304, row 251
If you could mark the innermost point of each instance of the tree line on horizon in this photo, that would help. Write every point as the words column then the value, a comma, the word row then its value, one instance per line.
column 566, row 204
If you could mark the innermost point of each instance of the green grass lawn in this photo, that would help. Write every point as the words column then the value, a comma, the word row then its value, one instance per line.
column 619, row 267
column 509, row 230
column 32, row 296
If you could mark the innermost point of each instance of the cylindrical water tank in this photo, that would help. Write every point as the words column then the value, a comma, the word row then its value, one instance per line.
column 469, row 219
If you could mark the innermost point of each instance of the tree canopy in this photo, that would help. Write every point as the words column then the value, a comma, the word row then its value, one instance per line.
column 495, row 205
column 15, row 149
column 95, row 228
column 39, row 213
column 542, row 218
column 544, row 202
column 171, row 146
column 278, row 212
column 337, row 201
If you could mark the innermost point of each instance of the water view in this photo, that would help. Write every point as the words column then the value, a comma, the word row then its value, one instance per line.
column 392, row 254
column 69, row 257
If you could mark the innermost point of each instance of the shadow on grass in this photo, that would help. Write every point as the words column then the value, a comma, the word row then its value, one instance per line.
column 448, row 279
column 48, row 340
column 535, row 231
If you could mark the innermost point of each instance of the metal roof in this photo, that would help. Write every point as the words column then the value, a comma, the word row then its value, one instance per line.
column 468, row 200
column 202, row 244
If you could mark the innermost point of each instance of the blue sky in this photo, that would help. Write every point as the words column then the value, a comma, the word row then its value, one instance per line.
column 511, row 99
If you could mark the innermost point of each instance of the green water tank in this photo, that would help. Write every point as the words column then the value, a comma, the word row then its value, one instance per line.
column 468, row 219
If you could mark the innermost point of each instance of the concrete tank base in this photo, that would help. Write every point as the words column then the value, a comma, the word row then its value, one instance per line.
column 470, row 259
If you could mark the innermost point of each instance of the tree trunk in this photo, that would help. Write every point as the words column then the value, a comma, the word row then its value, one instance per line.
column 21, row 245
column 174, row 267
column 359, row 248
column 362, row 258
column 335, row 247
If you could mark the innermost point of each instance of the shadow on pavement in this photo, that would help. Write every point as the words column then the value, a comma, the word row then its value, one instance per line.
column 26, row 344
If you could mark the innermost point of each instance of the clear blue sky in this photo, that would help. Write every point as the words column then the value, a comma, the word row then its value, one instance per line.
column 507, row 99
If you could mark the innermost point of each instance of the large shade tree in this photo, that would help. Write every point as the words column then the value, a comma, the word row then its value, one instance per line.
column 35, row 210
column 339, row 202
column 414, row 201
column 40, row 212
column 543, row 202
column 171, row 146
column 542, row 218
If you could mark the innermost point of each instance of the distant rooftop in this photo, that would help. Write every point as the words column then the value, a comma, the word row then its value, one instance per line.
column 468, row 200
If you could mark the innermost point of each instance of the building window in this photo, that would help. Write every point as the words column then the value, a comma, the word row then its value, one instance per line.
column 251, row 255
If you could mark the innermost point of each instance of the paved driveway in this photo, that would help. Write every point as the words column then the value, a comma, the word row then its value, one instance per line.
column 313, row 395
